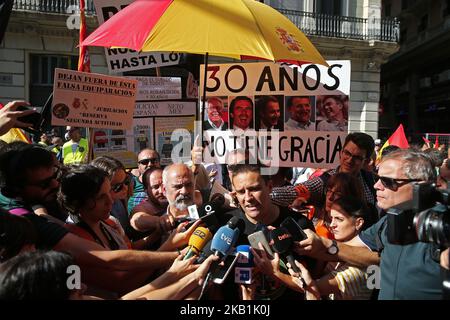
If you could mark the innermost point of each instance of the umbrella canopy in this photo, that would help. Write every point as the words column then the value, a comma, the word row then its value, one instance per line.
column 240, row 29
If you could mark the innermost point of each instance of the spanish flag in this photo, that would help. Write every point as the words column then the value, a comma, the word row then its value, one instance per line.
column 84, row 62
column 15, row 134
column 398, row 139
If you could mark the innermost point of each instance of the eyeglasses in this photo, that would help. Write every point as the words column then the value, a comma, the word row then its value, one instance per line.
column 335, row 194
column 146, row 161
column 46, row 183
column 119, row 186
column 347, row 154
column 392, row 183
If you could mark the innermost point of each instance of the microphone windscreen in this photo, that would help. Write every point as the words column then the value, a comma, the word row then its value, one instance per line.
column 199, row 238
column 224, row 240
column 281, row 240
column 236, row 223
column 215, row 205
column 246, row 256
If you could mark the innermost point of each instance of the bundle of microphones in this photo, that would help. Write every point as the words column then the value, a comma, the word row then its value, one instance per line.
column 221, row 241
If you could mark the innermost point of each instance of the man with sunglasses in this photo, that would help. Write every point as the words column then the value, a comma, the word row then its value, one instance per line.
column 356, row 152
column 408, row 272
column 147, row 158
column 29, row 178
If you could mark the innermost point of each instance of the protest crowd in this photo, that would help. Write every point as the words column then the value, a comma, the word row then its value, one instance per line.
column 237, row 231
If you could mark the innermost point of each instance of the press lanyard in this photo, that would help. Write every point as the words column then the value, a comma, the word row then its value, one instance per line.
column 113, row 245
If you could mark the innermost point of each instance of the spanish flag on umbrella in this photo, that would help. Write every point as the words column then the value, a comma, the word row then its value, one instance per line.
column 398, row 139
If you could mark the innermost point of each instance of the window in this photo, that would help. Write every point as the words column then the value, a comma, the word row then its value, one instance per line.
column 446, row 10
column 387, row 9
column 328, row 7
column 42, row 73
column 423, row 24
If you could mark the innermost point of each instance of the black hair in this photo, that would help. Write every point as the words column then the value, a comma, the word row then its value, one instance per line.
column 233, row 103
column 146, row 176
column 290, row 100
column 356, row 208
column 15, row 233
column 15, row 166
column 436, row 156
column 36, row 276
column 257, row 168
column 262, row 102
column 108, row 164
column 363, row 141
column 79, row 185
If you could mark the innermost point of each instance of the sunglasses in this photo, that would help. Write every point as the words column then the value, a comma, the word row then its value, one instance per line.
column 392, row 183
column 148, row 160
column 119, row 186
column 46, row 183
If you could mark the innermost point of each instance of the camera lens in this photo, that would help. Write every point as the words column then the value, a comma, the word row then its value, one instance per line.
column 433, row 225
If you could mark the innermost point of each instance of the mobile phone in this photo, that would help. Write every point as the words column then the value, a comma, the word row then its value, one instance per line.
column 259, row 236
column 294, row 229
column 178, row 221
column 34, row 119
column 222, row 271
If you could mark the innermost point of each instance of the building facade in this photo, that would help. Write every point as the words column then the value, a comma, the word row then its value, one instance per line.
column 416, row 79
column 39, row 38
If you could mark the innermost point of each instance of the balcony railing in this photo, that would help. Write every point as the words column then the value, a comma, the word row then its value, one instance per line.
column 52, row 6
column 386, row 29
column 324, row 25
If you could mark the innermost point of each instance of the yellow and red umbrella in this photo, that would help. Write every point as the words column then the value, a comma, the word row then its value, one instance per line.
column 237, row 29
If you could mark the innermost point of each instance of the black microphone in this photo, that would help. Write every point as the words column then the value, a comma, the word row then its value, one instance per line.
column 208, row 212
column 281, row 241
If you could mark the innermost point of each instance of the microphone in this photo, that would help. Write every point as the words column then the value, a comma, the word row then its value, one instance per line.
column 197, row 241
column 208, row 212
column 243, row 273
column 224, row 240
column 281, row 242
column 222, row 244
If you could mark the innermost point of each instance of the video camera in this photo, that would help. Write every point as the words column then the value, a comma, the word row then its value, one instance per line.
column 425, row 218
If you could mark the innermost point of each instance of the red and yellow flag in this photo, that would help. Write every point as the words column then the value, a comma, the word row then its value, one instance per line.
column 84, row 62
column 398, row 138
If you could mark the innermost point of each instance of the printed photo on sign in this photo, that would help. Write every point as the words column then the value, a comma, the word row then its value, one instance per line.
column 269, row 112
column 172, row 146
column 241, row 115
column 332, row 113
column 118, row 140
column 101, row 140
column 300, row 113
column 216, row 114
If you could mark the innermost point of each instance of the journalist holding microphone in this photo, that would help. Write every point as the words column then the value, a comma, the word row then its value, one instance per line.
column 252, row 189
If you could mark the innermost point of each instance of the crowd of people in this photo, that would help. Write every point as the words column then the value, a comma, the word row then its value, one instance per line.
column 129, row 231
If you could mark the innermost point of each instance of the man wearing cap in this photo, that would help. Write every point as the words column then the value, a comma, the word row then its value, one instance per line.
column 75, row 150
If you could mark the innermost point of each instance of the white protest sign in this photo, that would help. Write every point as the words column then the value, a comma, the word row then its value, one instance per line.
column 164, row 108
column 277, row 149
column 158, row 88
column 308, row 102
column 92, row 100
column 121, row 59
